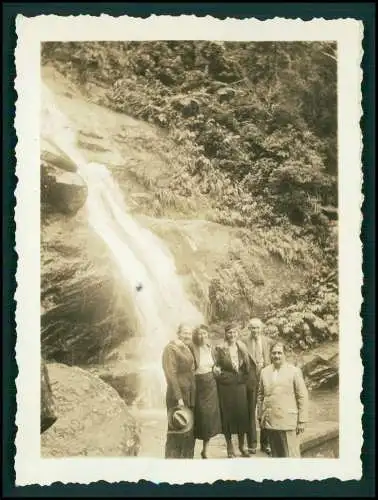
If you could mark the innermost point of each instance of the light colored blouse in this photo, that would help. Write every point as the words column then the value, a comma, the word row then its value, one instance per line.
column 234, row 355
column 206, row 362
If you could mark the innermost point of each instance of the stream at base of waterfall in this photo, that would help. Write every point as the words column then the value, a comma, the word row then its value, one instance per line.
column 157, row 298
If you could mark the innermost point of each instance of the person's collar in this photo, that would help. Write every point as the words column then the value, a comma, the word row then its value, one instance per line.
column 205, row 346
column 180, row 343
column 226, row 344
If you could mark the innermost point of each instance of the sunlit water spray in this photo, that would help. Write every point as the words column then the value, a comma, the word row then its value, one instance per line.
column 148, row 269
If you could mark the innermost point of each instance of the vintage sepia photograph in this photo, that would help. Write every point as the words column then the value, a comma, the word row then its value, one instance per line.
column 189, row 281
column 189, row 250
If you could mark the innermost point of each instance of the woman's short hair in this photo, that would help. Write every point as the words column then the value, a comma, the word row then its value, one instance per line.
column 181, row 327
column 278, row 343
column 230, row 326
column 196, row 332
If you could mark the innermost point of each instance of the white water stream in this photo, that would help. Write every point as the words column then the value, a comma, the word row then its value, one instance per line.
column 148, row 269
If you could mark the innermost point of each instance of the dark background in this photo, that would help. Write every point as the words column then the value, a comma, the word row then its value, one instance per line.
column 364, row 11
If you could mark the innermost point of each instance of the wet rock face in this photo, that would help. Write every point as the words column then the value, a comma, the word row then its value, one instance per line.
column 84, row 301
column 92, row 418
column 62, row 191
column 139, row 386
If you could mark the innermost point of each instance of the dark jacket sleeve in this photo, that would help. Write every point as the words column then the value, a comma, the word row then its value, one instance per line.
column 246, row 365
column 260, row 398
column 223, row 377
column 268, row 344
column 170, row 371
column 195, row 353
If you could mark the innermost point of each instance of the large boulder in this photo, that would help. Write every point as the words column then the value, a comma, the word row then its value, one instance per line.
column 320, row 367
column 69, row 192
column 92, row 418
column 63, row 190
column 51, row 156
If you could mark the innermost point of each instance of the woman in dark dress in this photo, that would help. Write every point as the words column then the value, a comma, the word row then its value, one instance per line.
column 232, row 361
column 207, row 422
column 178, row 366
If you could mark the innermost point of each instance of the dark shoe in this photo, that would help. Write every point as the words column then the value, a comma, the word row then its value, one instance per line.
column 203, row 454
column 244, row 453
column 253, row 451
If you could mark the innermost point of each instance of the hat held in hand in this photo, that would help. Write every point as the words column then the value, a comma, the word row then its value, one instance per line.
column 180, row 420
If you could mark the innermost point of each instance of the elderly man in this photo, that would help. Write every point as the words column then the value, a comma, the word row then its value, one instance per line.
column 258, row 346
column 282, row 404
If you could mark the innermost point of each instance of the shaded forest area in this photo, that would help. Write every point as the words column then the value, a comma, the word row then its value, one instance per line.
column 258, row 122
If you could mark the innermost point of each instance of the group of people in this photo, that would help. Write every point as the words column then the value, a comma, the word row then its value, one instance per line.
column 231, row 389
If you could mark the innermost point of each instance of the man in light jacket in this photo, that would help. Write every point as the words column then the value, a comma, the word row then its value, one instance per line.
column 282, row 404
column 258, row 346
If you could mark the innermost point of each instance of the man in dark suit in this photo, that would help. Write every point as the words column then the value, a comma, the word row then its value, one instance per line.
column 258, row 346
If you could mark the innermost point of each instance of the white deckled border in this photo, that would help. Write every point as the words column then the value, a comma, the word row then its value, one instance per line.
column 30, row 467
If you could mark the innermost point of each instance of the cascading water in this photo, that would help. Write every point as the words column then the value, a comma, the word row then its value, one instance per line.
column 148, row 269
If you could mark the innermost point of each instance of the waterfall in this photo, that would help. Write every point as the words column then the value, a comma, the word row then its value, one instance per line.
column 146, row 265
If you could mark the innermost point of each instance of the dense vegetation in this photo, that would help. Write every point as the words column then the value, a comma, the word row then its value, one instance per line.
column 258, row 122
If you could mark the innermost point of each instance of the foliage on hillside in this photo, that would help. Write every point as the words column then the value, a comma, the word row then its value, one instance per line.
column 258, row 122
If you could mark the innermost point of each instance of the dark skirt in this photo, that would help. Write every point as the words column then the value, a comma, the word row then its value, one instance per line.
column 233, row 408
column 207, row 420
